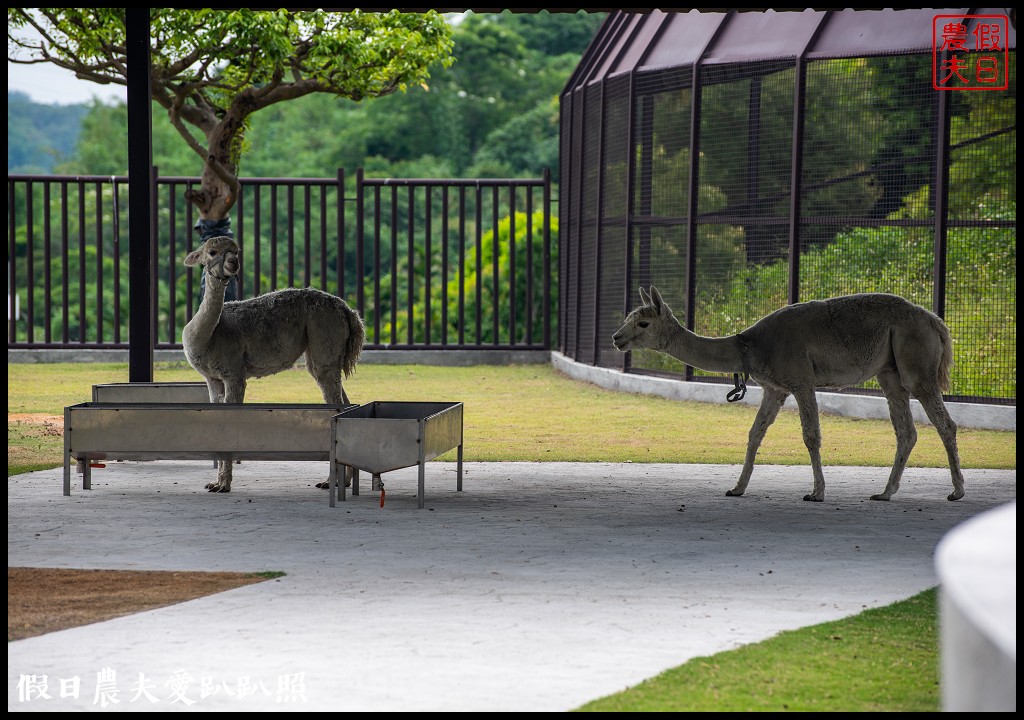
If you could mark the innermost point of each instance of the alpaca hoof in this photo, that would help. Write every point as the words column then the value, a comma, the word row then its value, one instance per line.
column 733, row 493
column 813, row 498
column 880, row 496
column 955, row 495
column 326, row 484
column 218, row 488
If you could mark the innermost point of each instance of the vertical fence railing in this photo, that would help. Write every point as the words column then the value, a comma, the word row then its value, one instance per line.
column 473, row 271
column 429, row 263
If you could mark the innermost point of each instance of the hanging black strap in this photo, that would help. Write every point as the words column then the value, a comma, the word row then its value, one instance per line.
column 740, row 389
column 739, row 380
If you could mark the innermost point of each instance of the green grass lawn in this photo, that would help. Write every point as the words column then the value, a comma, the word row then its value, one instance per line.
column 884, row 659
column 524, row 413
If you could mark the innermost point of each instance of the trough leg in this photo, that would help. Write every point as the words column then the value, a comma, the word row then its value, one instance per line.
column 332, row 480
column 422, row 462
column 421, row 483
column 458, row 482
column 67, row 451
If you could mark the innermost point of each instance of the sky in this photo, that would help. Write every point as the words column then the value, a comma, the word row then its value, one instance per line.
column 51, row 85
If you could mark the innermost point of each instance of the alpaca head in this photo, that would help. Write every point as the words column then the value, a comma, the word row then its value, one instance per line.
column 219, row 255
column 648, row 326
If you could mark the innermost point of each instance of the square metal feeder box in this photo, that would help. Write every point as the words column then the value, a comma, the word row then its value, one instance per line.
column 195, row 431
column 382, row 436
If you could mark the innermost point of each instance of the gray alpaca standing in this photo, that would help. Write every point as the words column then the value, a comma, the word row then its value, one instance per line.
column 229, row 342
column 838, row 342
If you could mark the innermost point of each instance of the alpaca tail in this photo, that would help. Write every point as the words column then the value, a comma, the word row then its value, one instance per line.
column 356, row 338
column 946, row 361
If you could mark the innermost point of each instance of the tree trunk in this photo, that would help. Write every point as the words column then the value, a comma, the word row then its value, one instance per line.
column 218, row 190
column 215, row 196
column 219, row 182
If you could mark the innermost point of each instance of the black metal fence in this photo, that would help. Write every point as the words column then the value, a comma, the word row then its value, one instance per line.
column 737, row 187
column 428, row 263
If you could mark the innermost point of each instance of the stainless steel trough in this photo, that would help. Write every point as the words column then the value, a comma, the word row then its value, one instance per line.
column 151, row 392
column 195, row 431
column 382, row 436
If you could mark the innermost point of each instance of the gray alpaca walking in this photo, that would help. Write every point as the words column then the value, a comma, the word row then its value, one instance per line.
column 229, row 342
column 837, row 342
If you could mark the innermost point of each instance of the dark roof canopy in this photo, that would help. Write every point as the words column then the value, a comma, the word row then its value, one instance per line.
column 638, row 41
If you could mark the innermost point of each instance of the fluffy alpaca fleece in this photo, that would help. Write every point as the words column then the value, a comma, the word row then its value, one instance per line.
column 229, row 342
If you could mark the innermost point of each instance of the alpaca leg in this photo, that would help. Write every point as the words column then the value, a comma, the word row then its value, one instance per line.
column 216, row 389
column 902, row 423
column 334, row 394
column 933, row 405
column 223, row 484
column 326, row 484
column 234, row 392
column 327, row 374
column 771, row 403
column 809, row 421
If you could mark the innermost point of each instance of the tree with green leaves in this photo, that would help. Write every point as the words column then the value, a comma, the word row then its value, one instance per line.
column 212, row 69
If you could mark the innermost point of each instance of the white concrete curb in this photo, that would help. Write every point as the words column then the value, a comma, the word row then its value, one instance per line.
column 988, row 417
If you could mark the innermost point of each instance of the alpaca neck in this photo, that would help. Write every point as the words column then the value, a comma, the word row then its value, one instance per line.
column 708, row 354
column 200, row 328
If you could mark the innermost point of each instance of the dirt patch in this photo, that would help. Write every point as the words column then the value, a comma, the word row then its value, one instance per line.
column 43, row 600
column 53, row 424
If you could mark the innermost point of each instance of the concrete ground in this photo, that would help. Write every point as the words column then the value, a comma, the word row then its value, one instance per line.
column 539, row 587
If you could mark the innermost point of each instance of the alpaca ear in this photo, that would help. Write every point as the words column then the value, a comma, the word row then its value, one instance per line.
column 658, row 303
column 644, row 297
column 192, row 258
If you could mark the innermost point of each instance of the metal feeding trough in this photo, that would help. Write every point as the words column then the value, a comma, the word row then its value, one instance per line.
column 382, row 436
column 151, row 392
column 194, row 431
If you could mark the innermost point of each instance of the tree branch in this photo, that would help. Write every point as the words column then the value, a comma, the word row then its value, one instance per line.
column 230, row 178
column 175, row 117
